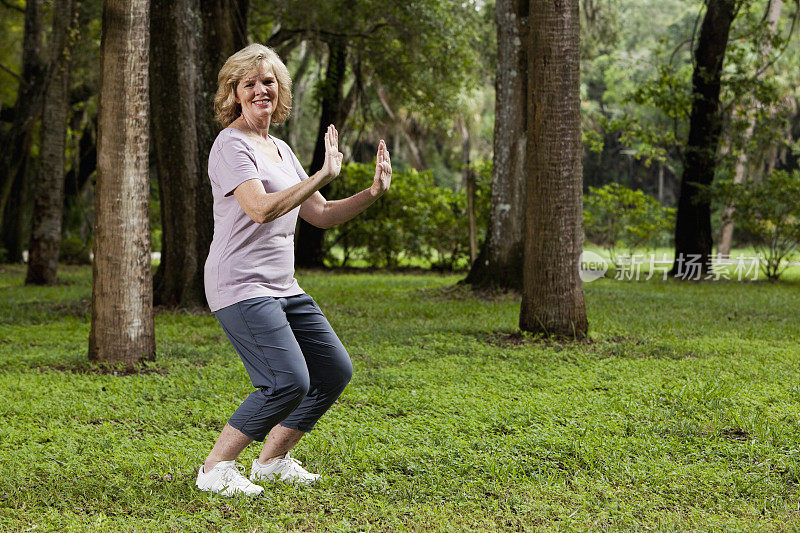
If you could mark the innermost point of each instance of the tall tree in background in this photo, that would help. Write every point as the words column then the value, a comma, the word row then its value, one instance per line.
column 48, row 207
column 308, row 252
column 190, row 42
column 552, row 297
column 693, row 239
column 16, row 142
column 500, row 262
column 751, row 111
column 122, row 299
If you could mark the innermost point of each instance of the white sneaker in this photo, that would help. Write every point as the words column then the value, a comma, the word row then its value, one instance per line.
column 287, row 470
column 226, row 480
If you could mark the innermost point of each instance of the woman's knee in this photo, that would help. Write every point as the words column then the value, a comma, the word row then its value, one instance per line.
column 343, row 372
column 297, row 386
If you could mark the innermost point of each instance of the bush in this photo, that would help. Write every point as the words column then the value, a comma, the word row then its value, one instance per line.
column 414, row 220
column 75, row 250
column 769, row 210
column 616, row 217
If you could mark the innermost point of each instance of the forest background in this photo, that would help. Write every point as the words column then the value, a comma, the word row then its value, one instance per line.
column 422, row 77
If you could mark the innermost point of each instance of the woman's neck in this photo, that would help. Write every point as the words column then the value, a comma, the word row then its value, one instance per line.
column 252, row 127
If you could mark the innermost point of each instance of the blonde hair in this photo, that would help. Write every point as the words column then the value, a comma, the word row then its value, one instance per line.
column 239, row 65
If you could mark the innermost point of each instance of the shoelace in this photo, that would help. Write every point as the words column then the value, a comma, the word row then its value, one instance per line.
column 294, row 466
column 233, row 478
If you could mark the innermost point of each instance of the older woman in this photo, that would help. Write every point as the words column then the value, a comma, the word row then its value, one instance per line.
column 294, row 359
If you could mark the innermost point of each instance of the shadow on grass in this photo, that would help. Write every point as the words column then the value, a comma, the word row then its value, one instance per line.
column 43, row 312
column 90, row 368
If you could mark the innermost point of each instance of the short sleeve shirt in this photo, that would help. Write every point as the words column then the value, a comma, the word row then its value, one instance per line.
column 247, row 259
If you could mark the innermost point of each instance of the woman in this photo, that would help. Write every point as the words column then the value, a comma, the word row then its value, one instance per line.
column 294, row 359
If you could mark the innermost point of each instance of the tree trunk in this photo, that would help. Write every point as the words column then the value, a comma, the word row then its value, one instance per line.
column 499, row 263
column 404, row 126
column 48, row 204
column 552, row 296
column 693, row 239
column 741, row 168
column 16, row 143
column 224, row 33
column 122, row 291
column 190, row 42
column 85, row 162
column 469, row 189
column 175, row 80
column 300, row 84
column 309, row 251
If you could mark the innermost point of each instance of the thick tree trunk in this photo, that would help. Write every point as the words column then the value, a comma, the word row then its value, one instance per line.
column 175, row 80
column 16, row 143
column 122, row 291
column 552, row 297
column 309, row 251
column 693, row 239
column 742, row 167
column 499, row 263
column 190, row 42
column 48, row 203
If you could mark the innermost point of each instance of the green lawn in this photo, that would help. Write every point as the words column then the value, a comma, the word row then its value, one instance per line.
column 681, row 413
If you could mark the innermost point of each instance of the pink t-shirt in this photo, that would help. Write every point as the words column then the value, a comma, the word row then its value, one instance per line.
column 247, row 259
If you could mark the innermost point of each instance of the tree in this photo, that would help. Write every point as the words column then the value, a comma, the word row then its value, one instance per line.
column 122, row 328
column 16, row 141
column 370, row 44
column 175, row 95
column 308, row 252
column 499, row 263
column 552, row 297
column 190, row 42
column 48, row 207
column 751, row 111
column 693, row 239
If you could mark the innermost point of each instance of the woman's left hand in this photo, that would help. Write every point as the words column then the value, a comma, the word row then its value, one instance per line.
column 383, row 171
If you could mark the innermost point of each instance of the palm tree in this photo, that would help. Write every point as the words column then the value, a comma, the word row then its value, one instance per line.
column 122, row 295
column 552, row 298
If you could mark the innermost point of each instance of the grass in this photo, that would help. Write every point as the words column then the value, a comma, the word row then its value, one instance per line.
column 682, row 412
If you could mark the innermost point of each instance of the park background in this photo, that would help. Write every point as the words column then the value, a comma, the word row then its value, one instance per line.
column 676, row 410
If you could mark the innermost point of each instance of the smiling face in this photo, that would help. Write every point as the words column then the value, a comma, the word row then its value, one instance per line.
column 257, row 93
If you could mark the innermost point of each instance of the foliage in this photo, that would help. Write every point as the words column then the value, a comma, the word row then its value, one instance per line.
column 75, row 251
column 636, row 89
column 393, row 44
column 414, row 219
column 677, row 416
column 617, row 217
column 769, row 211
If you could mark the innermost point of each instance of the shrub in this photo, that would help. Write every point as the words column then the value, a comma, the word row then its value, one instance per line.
column 75, row 251
column 415, row 219
column 616, row 217
column 769, row 210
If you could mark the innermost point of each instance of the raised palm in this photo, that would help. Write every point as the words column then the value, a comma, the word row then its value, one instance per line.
column 383, row 170
column 333, row 157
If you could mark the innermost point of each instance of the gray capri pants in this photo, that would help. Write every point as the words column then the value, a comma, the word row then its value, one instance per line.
column 293, row 357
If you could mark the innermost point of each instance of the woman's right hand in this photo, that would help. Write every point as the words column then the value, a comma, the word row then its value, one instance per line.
column 333, row 157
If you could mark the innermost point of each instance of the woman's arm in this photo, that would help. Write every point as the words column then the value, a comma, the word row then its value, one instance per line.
column 263, row 207
column 318, row 211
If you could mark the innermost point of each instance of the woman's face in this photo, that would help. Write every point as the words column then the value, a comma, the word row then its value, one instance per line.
column 257, row 93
